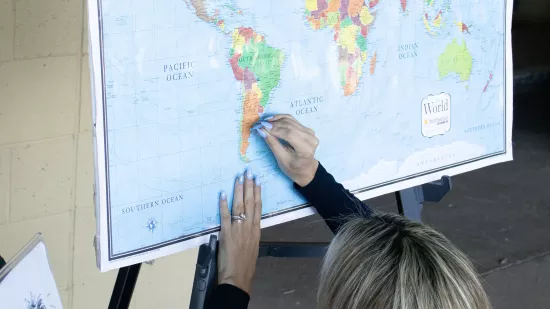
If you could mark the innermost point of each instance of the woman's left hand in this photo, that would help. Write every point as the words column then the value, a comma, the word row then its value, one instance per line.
column 240, row 233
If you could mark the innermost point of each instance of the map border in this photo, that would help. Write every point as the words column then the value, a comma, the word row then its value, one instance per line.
column 107, row 261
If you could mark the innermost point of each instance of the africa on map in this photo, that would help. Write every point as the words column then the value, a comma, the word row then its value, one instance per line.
column 399, row 92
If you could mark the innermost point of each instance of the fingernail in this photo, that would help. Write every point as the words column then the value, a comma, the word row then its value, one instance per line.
column 267, row 125
column 249, row 175
column 241, row 179
column 261, row 133
column 257, row 127
column 257, row 181
column 269, row 118
column 223, row 196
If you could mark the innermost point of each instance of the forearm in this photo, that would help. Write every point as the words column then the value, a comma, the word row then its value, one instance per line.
column 332, row 201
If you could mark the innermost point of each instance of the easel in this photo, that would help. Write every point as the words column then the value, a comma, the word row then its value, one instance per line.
column 409, row 203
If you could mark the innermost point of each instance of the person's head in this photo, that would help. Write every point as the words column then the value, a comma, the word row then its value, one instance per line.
column 389, row 262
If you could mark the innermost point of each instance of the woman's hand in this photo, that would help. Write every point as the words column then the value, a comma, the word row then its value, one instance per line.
column 240, row 233
column 296, row 155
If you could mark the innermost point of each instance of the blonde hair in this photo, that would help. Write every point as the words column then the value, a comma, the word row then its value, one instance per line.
column 389, row 262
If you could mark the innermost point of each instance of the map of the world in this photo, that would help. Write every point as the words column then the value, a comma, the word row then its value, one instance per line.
column 394, row 89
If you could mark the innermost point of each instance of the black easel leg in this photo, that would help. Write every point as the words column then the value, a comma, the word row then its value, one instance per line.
column 410, row 202
column 124, row 287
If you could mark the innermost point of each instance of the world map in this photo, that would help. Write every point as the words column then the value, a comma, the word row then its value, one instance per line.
column 394, row 89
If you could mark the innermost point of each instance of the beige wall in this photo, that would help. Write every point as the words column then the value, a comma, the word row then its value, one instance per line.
column 46, row 167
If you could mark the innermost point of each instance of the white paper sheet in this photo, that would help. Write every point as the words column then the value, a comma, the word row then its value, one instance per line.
column 27, row 282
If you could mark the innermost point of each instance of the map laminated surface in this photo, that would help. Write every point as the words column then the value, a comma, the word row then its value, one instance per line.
column 399, row 93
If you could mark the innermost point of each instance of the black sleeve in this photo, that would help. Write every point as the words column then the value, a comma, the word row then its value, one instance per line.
column 332, row 201
column 227, row 296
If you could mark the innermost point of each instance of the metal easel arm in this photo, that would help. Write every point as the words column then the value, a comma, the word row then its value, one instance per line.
column 206, row 272
column 410, row 202
column 124, row 287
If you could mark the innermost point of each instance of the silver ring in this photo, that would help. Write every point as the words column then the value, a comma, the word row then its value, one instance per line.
column 240, row 218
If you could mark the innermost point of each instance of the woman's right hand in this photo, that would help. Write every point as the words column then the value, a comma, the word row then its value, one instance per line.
column 296, row 155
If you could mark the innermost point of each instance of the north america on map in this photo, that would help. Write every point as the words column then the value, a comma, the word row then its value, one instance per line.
column 392, row 88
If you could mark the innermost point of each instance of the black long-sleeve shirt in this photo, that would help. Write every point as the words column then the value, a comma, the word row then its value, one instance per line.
column 331, row 200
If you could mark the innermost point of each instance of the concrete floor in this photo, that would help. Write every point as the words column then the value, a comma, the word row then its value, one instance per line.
column 499, row 216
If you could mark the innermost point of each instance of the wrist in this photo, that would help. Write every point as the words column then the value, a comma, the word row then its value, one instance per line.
column 307, row 174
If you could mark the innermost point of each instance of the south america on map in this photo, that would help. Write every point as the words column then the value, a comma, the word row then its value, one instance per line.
column 394, row 90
